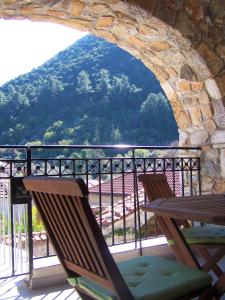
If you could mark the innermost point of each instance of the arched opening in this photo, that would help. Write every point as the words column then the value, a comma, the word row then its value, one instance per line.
column 189, row 72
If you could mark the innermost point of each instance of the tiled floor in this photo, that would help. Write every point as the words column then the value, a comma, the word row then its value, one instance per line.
column 16, row 289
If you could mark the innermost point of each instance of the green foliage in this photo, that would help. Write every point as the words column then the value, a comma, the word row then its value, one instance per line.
column 55, row 85
column 141, row 153
column 93, row 92
column 37, row 225
column 49, row 136
column 116, row 136
column 3, row 224
column 83, row 83
column 3, row 99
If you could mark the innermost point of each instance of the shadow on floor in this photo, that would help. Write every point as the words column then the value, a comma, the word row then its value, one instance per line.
column 17, row 289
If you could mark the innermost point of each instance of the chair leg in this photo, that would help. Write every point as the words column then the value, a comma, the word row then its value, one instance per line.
column 211, row 260
column 219, row 287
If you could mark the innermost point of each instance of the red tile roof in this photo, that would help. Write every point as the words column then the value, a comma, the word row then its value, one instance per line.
column 124, row 184
column 121, row 184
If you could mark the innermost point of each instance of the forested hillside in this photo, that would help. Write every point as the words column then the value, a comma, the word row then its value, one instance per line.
column 92, row 92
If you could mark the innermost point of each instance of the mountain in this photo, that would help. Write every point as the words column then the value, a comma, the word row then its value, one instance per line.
column 92, row 92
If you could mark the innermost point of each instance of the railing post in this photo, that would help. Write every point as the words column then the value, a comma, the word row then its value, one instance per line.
column 199, row 176
column 29, row 211
column 136, row 204
column 28, row 161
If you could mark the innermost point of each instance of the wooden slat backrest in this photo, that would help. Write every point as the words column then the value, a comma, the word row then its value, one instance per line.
column 156, row 186
column 74, row 232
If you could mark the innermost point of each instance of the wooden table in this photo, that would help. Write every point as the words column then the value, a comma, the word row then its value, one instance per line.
column 205, row 208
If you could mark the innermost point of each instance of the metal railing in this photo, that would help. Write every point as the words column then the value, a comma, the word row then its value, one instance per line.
column 115, row 194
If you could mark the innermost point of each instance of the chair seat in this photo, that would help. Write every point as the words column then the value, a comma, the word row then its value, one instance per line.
column 198, row 235
column 151, row 278
column 205, row 235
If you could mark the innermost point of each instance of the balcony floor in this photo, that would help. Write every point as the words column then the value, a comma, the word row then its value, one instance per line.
column 16, row 289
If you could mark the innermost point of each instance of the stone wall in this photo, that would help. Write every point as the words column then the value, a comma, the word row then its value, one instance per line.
column 182, row 42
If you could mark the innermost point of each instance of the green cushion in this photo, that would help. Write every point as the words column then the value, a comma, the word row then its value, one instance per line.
column 203, row 235
column 151, row 278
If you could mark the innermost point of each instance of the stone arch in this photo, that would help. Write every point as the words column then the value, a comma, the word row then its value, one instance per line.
column 179, row 42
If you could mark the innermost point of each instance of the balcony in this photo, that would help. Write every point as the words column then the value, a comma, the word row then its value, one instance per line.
column 115, row 196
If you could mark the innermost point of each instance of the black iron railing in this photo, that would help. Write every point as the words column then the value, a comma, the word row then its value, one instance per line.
column 115, row 194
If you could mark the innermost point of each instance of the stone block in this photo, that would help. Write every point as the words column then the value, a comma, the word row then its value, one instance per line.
column 207, row 184
column 138, row 42
column 199, row 138
column 210, row 125
column 199, row 66
column 219, row 187
column 203, row 97
column 219, row 113
column 171, row 71
column 206, row 111
column 222, row 162
column 184, row 86
column 57, row 14
column 147, row 31
column 183, row 138
column 212, row 88
column 98, row 8
column 168, row 89
column 187, row 73
column 189, row 101
column 83, row 25
column 210, row 169
column 26, row 9
column 159, row 46
column 160, row 73
column 197, row 86
column 218, row 137
column 212, row 155
column 77, row 8
column 196, row 116
column 105, row 21
column 182, row 119
column 107, row 35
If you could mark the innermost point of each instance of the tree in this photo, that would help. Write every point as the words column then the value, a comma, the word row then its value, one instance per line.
column 122, row 85
column 104, row 82
column 149, row 104
column 22, row 100
column 55, row 85
column 49, row 136
column 83, row 83
column 115, row 135
column 3, row 99
column 97, row 135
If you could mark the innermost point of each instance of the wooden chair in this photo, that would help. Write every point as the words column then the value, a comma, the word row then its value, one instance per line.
column 87, row 261
column 200, row 238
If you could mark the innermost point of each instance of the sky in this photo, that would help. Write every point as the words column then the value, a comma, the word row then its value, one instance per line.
column 26, row 45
